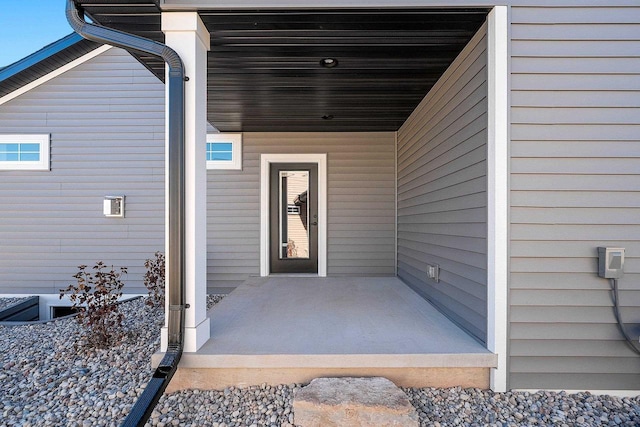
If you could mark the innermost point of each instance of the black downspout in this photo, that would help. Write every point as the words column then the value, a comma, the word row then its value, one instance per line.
column 143, row 408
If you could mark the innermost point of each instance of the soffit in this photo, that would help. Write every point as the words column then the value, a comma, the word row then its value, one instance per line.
column 264, row 71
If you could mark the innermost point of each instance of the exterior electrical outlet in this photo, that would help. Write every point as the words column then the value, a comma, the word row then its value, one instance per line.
column 433, row 272
column 611, row 263
column 113, row 206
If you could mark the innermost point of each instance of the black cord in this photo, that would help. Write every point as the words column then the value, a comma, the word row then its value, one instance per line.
column 616, row 313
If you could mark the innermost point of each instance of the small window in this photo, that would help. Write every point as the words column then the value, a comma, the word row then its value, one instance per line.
column 224, row 151
column 293, row 210
column 24, row 152
column 57, row 312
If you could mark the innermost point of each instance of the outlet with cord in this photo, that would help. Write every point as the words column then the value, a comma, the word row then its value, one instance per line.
column 611, row 263
column 611, row 266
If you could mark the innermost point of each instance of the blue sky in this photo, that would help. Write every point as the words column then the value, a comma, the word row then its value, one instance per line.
column 28, row 25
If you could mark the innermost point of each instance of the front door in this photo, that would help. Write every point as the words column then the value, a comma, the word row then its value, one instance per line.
column 293, row 211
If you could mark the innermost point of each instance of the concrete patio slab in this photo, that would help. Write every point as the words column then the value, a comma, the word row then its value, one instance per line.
column 295, row 327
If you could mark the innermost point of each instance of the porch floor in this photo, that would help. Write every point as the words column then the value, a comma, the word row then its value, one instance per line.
column 331, row 326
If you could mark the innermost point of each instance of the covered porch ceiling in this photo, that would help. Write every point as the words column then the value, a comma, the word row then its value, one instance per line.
column 265, row 70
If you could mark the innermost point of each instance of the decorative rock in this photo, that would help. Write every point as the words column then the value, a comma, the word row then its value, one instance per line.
column 353, row 402
column 76, row 392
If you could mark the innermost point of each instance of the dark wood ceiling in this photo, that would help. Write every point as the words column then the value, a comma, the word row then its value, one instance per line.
column 264, row 71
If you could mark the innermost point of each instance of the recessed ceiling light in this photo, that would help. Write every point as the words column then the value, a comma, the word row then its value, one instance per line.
column 329, row 62
column 327, row 117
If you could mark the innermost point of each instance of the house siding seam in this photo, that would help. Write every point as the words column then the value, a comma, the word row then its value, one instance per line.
column 575, row 185
column 442, row 191
column 106, row 120
column 360, row 201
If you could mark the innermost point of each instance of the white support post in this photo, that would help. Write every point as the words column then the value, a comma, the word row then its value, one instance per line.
column 497, row 176
column 187, row 35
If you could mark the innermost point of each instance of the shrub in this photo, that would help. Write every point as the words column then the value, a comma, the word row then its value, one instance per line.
column 154, row 280
column 95, row 296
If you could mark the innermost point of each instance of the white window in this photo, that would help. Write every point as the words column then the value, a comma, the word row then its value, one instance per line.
column 224, row 151
column 24, row 152
column 293, row 210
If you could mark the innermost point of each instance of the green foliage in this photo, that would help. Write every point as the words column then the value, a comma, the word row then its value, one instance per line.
column 95, row 296
column 154, row 280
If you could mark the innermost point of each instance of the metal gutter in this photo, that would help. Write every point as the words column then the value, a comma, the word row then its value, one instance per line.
column 142, row 409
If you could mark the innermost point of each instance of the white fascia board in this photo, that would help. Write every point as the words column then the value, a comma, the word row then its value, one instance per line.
column 497, row 185
column 55, row 73
column 353, row 4
column 320, row 4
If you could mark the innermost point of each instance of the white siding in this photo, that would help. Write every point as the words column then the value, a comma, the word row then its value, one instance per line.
column 575, row 185
column 106, row 120
column 442, row 191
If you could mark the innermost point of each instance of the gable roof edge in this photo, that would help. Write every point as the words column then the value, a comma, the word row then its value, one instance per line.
column 55, row 73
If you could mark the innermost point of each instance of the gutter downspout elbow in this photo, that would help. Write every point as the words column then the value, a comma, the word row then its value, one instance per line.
column 176, row 202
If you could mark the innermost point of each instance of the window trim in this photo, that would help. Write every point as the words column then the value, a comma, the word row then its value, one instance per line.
column 42, row 139
column 236, row 151
column 293, row 210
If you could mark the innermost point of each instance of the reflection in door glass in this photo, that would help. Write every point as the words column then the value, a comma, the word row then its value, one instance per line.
column 294, row 214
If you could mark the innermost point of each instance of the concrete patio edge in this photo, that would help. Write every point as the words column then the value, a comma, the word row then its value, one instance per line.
column 271, row 361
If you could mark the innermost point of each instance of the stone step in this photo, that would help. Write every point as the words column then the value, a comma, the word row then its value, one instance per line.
column 353, row 402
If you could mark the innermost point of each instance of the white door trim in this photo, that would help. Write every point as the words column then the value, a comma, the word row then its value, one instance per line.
column 265, row 163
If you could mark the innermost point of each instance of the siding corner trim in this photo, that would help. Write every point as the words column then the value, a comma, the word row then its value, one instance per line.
column 497, row 193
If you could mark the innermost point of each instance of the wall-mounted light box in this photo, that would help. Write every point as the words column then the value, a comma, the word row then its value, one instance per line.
column 113, row 206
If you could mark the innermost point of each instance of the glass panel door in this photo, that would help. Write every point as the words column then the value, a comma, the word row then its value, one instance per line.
column 294, row 218
column 294, row 214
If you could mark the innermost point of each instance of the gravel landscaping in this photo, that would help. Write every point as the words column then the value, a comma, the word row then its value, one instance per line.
column 45, row 381
column 472, row 407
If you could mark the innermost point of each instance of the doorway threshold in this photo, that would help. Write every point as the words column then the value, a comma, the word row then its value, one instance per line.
column 276, row 275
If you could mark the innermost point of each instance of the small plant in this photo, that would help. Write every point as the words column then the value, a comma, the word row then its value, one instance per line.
column 95, row 296
column 154, row 280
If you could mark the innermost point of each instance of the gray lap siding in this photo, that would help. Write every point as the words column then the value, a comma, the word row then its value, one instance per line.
column 360, row 203
column 575, row 175
column 106, row 120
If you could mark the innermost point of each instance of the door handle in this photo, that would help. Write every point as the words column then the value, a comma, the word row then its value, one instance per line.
column 314, row 223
